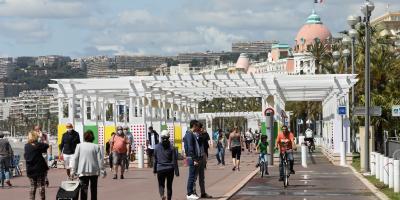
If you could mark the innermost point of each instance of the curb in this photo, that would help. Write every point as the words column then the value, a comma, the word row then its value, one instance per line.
column 369, row 185
column 239, row 185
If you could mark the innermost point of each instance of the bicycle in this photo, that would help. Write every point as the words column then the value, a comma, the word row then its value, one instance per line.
column 263, row 164
column 286, row 169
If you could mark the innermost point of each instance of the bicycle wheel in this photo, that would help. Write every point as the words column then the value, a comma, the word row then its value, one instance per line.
column 262, row 169
column 284, row 174
column 287, row 175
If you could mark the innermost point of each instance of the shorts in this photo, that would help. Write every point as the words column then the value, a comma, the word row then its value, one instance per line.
column 68, row 160
column 118, row 158
column 236, row 152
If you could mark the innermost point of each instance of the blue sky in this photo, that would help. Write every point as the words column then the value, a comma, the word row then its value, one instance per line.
column 158, row 27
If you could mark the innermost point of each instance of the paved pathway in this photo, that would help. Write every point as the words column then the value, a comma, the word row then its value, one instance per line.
column 321, row 180
column 142, row 184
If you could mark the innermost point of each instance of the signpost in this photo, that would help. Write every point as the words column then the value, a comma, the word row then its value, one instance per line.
column 396, row 110
column 374, row 111
column 342, row 112
column 269, row 122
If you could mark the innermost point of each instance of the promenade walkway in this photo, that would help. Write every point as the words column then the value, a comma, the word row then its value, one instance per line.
column 321, row 180
column 141, row 184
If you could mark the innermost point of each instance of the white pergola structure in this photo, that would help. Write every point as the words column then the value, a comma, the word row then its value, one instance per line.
column 171, row 101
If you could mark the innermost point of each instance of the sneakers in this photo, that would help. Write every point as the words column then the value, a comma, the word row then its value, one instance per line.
column 281, row 179
column 121, row 177
column 292, row 172
column 192, row 197
column 234, row 168
column 206, row 196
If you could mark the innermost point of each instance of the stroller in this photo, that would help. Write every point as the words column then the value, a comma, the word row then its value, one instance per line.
column 15, row 169
column 52, row 161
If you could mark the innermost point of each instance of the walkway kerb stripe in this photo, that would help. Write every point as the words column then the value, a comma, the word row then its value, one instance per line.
column 369, row 185
column 240, row 185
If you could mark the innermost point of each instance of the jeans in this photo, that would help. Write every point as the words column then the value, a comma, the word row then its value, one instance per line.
column 199, row 173
column 290, row 158
column 84, row 180
column 191, row 177
column 161, row 176
column 221, row 155
column 5, row 167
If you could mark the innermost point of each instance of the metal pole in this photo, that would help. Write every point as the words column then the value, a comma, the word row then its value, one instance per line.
column 352, row 129
column 365, row 164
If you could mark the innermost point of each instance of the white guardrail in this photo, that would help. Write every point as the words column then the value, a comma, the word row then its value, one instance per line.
column 386, row 169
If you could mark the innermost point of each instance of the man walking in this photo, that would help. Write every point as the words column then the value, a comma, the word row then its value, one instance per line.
column 202, row 138
column 192, row 151
column 131, row 148
column 6, row 153
column 67, row 147
column 119, row 145
column 152, row 141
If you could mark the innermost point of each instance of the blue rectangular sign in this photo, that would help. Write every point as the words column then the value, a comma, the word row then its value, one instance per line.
column 342, row 110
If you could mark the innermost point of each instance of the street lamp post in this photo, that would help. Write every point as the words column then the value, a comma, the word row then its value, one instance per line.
column 367, row 9
column 336, row 56
column 352, row 21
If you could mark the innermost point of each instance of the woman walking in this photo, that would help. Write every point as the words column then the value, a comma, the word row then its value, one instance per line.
column 88, row 165
column 235, row 145
column 36, row 166
column 165, row 164
column 221, row 145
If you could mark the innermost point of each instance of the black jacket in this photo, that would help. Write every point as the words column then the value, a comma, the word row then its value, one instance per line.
column 155, row 137
column 36, row 165
column 69, row 142
column 165, row 159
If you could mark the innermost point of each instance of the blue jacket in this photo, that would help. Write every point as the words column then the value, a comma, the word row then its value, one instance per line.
column 190, row 143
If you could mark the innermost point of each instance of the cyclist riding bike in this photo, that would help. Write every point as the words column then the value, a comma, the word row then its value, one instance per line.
column 262, row 147
column 285, row 143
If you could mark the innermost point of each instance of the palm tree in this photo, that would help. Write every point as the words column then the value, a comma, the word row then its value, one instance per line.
column 320, row 52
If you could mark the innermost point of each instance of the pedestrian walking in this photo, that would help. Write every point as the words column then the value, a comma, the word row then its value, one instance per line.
column 6, row 154
column 152, row 141
column 249, row 140
column 131, row 148
column 165, row 165
column 43, row 137
column 221, row 145
column 119, row 145
column 67, row 147
column 109, row 152
column 88, row 165
column 36, row 166
column 192, row 151
column 202, row 138
column 235, row 145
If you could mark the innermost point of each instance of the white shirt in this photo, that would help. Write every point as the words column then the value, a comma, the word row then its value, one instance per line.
column 309, row 133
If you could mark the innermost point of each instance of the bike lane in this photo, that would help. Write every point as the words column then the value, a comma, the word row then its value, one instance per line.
column 320, row 180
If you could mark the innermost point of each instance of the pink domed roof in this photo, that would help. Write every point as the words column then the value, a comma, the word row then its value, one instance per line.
column 309, row 32
column 243, row 62
column 312, row 30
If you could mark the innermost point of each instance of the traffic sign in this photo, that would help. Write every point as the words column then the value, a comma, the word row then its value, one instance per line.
column 396, row 111
column 269, row 112
column 342, row 110
column 299, row 121
column 346, row 122
column 374, row 111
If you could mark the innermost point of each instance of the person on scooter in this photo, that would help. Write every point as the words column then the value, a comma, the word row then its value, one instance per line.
column 309, row 139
